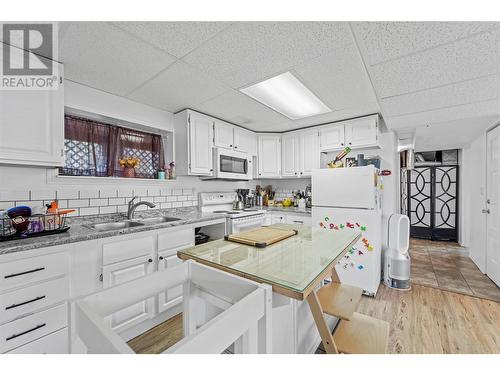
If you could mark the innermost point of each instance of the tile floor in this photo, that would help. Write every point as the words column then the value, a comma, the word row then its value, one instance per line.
column 447, row 266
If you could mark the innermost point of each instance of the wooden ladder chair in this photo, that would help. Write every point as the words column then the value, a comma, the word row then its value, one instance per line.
column 355, row 333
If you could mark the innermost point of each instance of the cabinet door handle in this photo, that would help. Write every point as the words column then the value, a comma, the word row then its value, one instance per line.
column 298, row 222
column 235, row 146
column 341, row 144
column 150, row 260
column 24, row 273
column 161, row 258
column 230, row 145
column 25, row 332
column 13, row 306
column 350, row 143
column 485, row 211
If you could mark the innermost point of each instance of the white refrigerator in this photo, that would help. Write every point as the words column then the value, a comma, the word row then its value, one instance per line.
column 350, row 199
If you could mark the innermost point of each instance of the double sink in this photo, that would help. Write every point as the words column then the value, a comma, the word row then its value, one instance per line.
column 125, row 224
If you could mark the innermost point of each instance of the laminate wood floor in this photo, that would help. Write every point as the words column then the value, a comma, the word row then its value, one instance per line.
column 422, row 320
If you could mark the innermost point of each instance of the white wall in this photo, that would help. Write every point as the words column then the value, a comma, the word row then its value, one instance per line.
column 21, row 184
column 473, row 183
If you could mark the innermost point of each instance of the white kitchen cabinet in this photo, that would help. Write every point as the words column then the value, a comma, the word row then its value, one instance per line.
column 357, row 133
column 169, row 243
column 245, row 141
column 119, row 273
column 171, row 297
column 361, row 132
column 290, row 155
column 194, row 137
column 269, row 155
column 32, row 126
column 332, row 136
column 278, row 217
column 309, row 152
column 223, row 134
column 298, row 219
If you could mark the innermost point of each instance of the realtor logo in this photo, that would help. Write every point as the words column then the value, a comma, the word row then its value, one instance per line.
column 29, row 56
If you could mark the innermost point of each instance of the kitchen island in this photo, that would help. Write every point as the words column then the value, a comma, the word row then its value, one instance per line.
column 294, row 267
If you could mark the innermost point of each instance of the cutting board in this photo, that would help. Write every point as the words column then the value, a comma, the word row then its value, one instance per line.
column 261, row 237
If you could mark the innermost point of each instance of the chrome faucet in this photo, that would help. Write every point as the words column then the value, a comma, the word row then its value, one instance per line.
column 133, row 206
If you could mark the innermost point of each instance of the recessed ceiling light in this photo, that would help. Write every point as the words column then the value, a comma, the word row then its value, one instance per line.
column 287, row 95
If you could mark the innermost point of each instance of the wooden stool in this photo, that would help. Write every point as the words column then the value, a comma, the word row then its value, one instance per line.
column 355, row 333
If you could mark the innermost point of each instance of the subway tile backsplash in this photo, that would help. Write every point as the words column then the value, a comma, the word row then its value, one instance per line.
column 100, row 201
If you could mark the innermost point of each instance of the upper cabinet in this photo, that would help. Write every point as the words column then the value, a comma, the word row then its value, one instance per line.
column 245, row 141
column 290, row 158
column 361, row 132
column 300, row 153
column 357, row 133
column 309, row 152
column 234, row 138
column 332, row 136
column 223, row 134
column 193, row 143
column 32, row 126
column 269, row 155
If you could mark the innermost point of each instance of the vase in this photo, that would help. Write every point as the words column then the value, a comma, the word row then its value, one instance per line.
column 129, row 172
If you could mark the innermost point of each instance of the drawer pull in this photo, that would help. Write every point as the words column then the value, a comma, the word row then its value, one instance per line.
column 24, row 303
column 25, row 332
column 24, row 273
column 298, row 221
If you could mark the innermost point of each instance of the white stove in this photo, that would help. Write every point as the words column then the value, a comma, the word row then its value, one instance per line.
column 236, row 220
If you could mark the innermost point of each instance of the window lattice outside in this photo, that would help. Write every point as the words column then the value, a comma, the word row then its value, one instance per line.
column 148, row 160
column 78, row 160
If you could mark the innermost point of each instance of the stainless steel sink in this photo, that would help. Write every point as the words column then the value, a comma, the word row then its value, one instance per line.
column 157, row 220
column 116, row 225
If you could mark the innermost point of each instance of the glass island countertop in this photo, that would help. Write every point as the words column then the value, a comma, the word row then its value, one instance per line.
column 293, row 266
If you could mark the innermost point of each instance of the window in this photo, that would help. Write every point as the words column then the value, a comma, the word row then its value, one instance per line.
column 94, row 149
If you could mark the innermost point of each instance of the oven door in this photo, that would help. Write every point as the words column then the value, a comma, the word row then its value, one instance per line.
column 232, row 165
column 246, row 223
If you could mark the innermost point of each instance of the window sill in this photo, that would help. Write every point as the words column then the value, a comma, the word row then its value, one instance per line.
column 53, row 177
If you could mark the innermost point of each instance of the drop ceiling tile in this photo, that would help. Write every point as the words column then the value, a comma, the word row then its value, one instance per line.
column 339, row 79
column 176, row 38
column 466, row 59
column 382, row 41
column 451, row 134
column 367, row 108
column 247, row 52
column 178, row 87
column 464, row 92
column 470, row 111
column 242, row 110
column 102, row 56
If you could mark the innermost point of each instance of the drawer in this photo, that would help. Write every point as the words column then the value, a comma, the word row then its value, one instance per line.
column 30, row 270
column 32, row 327
column 54, row 343
column 26, row 300
column 298, row 219
column 176, row 240
column 119, row 251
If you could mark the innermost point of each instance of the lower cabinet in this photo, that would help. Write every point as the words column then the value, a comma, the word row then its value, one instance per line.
column 289, row 218
column 53, row 343
column 119, row 273
column 171, row 297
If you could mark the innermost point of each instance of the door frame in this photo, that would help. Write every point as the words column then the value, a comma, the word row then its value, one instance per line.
column 486, row 196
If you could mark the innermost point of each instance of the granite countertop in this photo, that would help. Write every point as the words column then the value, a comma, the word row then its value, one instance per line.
column 294, row 210
column 80, row 230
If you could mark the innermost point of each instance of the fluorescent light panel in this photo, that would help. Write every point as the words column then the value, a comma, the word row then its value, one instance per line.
column 288, row 96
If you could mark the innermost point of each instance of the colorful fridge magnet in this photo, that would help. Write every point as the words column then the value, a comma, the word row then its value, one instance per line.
column 321, row 224
column 357, row 224
column 360, row 267
column 332, row 225
column 370, row 248
column 363, row 228
column 360, row 252
column 327, row 218
column 341, row 226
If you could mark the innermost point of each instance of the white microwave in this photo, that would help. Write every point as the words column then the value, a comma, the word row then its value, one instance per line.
column 231, row 165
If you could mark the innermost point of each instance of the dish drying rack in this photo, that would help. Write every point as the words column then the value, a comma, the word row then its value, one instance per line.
column 38, row 225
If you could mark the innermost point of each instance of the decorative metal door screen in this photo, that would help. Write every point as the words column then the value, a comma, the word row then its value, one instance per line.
column 430, row 199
